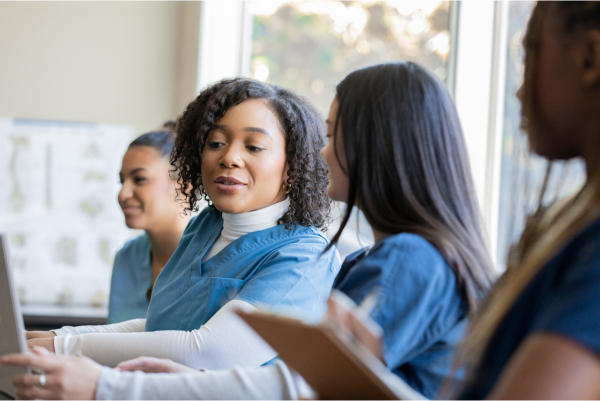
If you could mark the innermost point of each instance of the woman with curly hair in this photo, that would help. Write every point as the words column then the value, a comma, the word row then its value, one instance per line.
column 252, row 151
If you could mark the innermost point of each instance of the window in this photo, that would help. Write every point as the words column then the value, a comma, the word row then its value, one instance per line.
column 311, row 46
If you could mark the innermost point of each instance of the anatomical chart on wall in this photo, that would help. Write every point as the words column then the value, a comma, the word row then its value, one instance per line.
column 58, row 205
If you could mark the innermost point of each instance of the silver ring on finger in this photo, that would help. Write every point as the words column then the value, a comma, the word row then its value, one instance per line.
column 42, row 382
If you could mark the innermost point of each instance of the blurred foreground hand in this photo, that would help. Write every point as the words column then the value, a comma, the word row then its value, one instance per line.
column 348, row 317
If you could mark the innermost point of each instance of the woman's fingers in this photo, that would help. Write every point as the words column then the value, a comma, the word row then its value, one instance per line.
column 40, row 350
column 27, row 387
column 141, row 363
column 43, row 363
column 47, row 343
column 66, row 377
column 147, row 365
column 39, row 334
column 34, row 393
column 26, row 380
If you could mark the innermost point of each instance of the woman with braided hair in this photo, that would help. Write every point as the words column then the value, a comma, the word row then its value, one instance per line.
column 251, row 150
column 538, row 333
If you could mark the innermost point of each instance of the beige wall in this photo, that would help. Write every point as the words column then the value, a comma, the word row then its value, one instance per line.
column 111, row 62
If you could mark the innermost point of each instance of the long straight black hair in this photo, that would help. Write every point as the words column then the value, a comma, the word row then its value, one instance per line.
column 408, row 168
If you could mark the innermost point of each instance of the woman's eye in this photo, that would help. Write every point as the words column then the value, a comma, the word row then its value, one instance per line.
column 215, row 145
column 253, row 149
column 139, row 180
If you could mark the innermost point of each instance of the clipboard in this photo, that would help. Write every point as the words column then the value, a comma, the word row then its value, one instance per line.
column 334, row 365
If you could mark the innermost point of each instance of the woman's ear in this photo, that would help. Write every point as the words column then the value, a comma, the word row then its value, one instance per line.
column 286, row 168
column 590, row 58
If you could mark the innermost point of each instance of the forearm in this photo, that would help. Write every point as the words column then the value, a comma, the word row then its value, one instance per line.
column 129, row 326
column 268, row 382
column 224, row 341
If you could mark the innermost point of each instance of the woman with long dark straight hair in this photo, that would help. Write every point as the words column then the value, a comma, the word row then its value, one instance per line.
column 396, row 152
column 407, row 167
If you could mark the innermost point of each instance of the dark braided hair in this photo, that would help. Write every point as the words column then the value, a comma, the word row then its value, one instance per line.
column 304, row 132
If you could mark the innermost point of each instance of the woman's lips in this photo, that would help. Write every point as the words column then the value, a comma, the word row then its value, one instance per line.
column 228, row 184
column 128, row 210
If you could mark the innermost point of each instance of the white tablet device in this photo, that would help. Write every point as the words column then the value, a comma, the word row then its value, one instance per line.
column 12, row 331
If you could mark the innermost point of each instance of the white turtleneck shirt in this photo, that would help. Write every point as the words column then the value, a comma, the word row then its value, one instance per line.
column 224, row 341
column 236, row 225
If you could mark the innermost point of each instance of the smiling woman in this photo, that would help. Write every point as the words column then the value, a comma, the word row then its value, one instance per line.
column 252, row 150
column 149, row 202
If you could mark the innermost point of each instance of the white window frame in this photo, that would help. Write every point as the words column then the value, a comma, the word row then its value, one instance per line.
column 479, row 90
column 225, row 41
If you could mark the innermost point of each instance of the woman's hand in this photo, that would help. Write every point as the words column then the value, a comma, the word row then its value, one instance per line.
column 39, row 334
column 67, row 377
column 153, row 365
column 344, row 314
column 47, row 343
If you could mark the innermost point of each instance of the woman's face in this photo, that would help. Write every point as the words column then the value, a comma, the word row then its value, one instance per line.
column 338, row 180
column 244, row 162
column 147, row 196
column 558, row 105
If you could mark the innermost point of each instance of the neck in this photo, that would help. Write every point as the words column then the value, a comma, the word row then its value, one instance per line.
column 378, row 235
column 236, row 225
column 163, row 242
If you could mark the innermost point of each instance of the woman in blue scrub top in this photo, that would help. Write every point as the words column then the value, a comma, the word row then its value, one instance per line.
column 252, row 151
column 147, row 198
column 396, row 151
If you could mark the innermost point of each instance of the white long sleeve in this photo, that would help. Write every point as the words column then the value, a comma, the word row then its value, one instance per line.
column 224, row 341
column 273, row 382
column 129, row 326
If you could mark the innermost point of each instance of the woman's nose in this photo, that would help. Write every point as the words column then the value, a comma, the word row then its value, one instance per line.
column 125, row 193
column 231, row 158
column 520, row 93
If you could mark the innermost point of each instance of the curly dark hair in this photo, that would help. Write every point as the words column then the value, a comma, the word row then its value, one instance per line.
column 304, row 131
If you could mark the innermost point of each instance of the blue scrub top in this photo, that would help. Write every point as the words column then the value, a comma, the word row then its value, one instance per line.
column 419, row 307
column 131, row 279
column 276, row 269
column 564, row 299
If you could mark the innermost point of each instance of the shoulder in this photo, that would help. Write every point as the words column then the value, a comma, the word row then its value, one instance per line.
column 564, row 295
column 299, row 244
column 585, row 246
column 577, row 262
column 133, row 247
column 406, row 250
column 299, row 235
column 411, row 265
column 206, row 215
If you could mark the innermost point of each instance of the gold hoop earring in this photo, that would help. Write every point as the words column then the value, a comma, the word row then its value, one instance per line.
column 285, row 188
